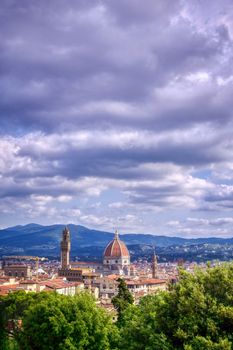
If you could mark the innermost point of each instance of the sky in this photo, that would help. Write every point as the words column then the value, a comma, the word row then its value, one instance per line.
column 117, row 114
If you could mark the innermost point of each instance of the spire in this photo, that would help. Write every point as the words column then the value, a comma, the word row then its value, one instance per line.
column 116, row 235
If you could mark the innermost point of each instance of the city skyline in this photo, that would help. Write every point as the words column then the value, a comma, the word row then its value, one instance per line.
column 118, row 115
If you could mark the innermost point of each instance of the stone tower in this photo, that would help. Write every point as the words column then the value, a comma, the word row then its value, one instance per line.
column 154, row 266
column 65, row 249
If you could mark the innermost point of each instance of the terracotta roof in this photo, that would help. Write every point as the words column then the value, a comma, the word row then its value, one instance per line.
column 145, row 281
column 6, row 281
column 113, row 277
column 135, row 282
column 28, row 282
column 116, row 248
column 4, row 290
column 154, row 281
column 4, row 278
column 59, row 284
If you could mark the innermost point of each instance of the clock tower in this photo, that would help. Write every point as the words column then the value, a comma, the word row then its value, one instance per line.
column 65, row 249
column 154, row 266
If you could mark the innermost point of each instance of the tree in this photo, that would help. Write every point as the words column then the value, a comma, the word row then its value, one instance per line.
column 139, row 328
column 52, row 321
column 12, row 309
column 196, row 314
column 123, row 299
column 61, row 322
column 201, row 343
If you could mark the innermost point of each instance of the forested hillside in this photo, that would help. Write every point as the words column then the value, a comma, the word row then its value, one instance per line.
column 34, row 239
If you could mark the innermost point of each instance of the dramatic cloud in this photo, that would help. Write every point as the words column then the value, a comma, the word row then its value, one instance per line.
column 117, row 113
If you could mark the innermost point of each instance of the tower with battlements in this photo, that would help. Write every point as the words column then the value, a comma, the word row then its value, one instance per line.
column 65, row 249
column 154, row 266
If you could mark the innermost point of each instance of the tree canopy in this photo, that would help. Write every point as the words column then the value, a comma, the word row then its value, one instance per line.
column 196, row 314
column 52, row 321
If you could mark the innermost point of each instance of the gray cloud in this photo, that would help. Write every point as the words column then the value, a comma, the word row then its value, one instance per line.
column 116, row 102
column 67, row 64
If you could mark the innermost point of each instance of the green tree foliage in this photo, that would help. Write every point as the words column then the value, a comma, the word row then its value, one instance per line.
column 139, row 326
column 195, row 314
column 12, row 308
column 123, row 299
column 53, row 321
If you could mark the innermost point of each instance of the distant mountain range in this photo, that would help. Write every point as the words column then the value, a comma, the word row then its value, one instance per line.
column 34, row 239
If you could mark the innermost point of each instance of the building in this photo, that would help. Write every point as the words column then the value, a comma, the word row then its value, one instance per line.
column 116, row 257
column 57, row 285
column 70, row 273
column 108, row 286
column 145, row 286
column 62, row 286
column 22, row 271
column 65, row 249
column 91, row 265
column 154, row 266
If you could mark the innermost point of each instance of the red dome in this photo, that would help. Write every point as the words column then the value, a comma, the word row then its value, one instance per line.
column 116, row 248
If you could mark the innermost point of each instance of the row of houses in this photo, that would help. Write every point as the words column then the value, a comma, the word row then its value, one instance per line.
column 10, row 284
column 103, row 288
column 139, row 287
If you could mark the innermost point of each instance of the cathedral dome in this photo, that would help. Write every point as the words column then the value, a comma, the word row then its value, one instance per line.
column 116, row 248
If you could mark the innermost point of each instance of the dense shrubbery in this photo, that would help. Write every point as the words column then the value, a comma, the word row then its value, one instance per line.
column 196, row 314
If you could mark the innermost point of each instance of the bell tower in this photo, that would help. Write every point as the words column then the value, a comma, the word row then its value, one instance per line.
column 154, row 266
column 65, row 249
